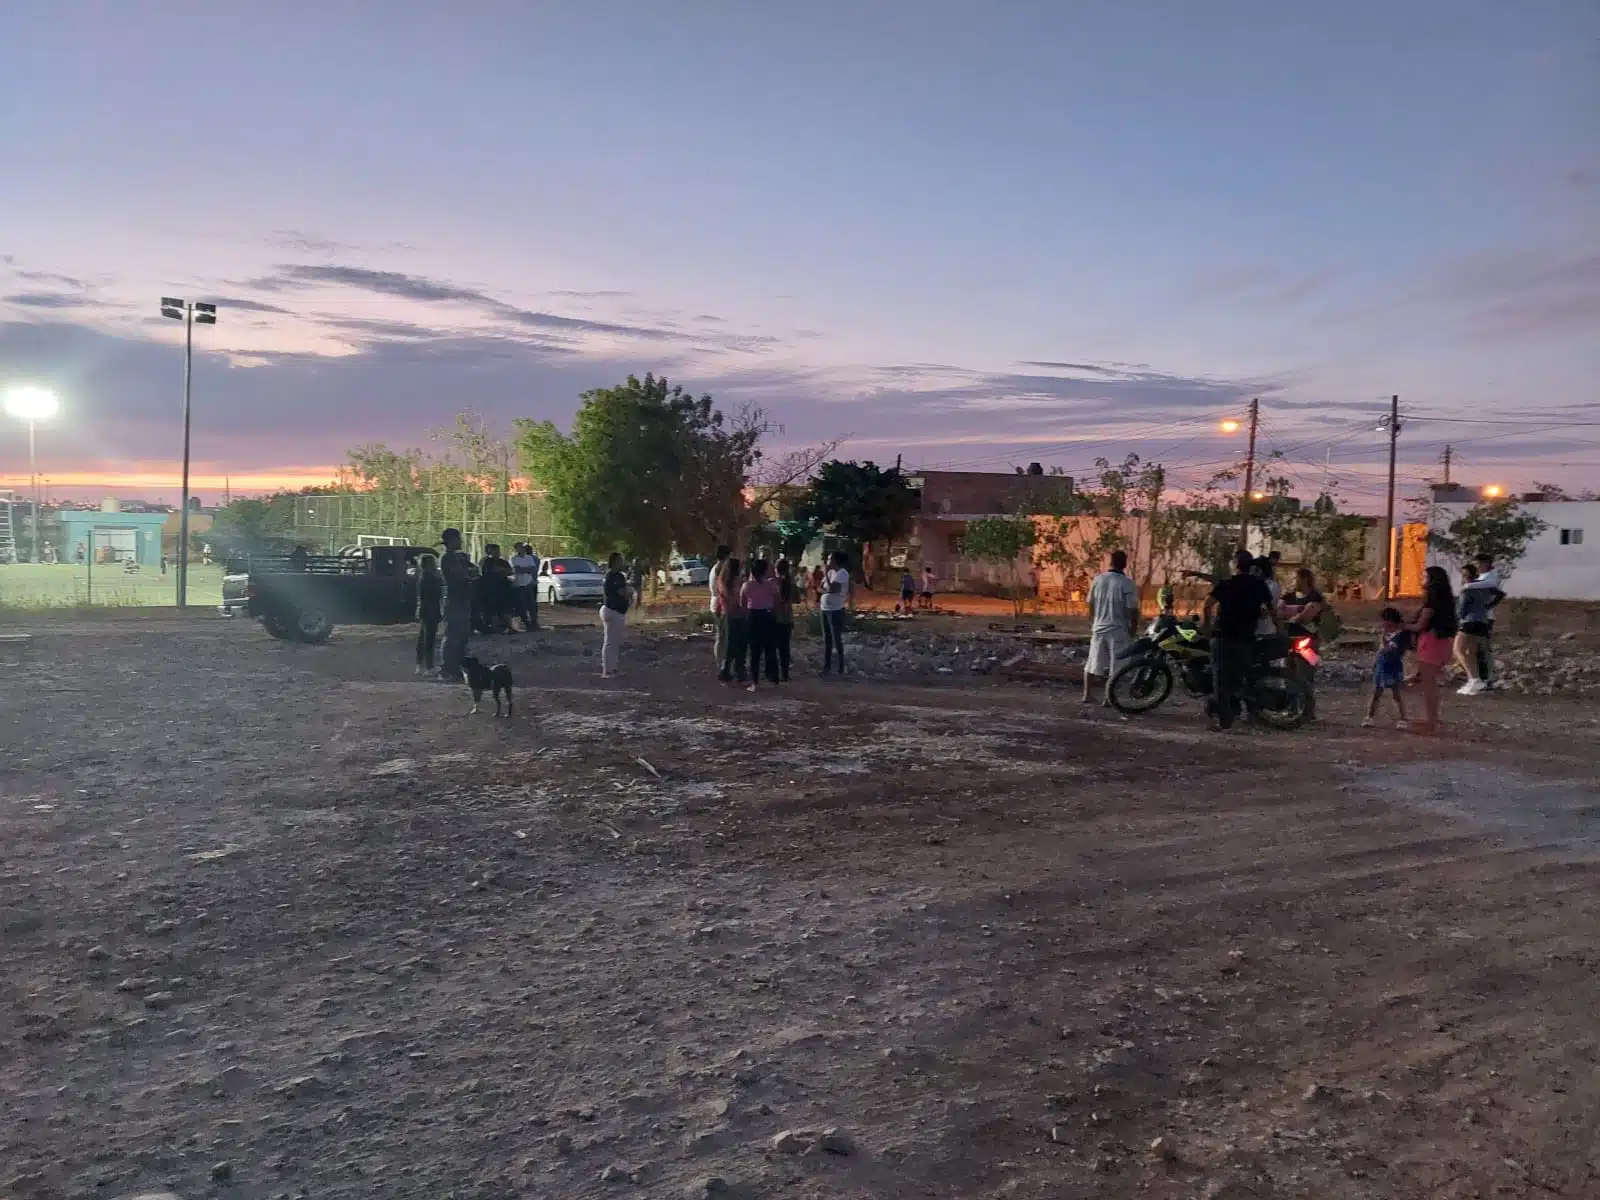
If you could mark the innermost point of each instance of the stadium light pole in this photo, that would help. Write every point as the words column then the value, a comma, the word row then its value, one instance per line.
column 190, row 314
column 32, row 404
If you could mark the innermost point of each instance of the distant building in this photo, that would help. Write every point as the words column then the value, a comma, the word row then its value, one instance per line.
column 948, row 500
column 1561, row 563
column 110, row 535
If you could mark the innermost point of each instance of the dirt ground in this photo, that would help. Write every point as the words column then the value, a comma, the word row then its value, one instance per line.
column 282, row 921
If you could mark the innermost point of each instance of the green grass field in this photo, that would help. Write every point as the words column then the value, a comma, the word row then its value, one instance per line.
column 29, row 586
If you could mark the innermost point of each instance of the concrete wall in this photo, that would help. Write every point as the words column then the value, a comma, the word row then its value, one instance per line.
column 1549, row 570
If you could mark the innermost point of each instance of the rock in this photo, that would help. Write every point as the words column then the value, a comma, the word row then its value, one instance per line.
column 563, row 1143
column 1060, row 1134
column 97, row 954
column 791, row 1141
column 1315, row 1093
column 158, row 1000
column 709, row 1188
column 302, row 1086
column 616, row 1174
column 134, row 985
column 836, row 1141
column 1164, row 1149
column 221, row 1172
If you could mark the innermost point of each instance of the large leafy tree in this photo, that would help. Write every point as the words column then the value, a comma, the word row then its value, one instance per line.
column 860, row 501
column 646, row 466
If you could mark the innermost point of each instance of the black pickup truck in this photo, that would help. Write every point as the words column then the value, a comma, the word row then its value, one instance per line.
column 302, row 597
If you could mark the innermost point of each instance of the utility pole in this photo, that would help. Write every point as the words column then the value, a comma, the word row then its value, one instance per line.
column 1249, row 477
column 1393, row 422
column 1447, row 466
column 189, row 314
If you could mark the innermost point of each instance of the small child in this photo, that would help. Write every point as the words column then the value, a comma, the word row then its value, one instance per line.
column 908, row 591
column 1388, row 673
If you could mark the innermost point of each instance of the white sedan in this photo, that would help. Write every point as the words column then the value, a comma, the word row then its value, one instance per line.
column 565, row 579
column 688, row 572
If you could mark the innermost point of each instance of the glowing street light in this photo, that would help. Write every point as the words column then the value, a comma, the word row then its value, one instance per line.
column 1494, row 491
column 32, row 404
column 1258, row 495
column 1229, row 426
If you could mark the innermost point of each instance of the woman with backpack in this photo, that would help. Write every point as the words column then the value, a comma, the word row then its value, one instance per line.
column 1304, row 611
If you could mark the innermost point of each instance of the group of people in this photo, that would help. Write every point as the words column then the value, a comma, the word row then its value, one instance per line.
column 753, row 609
column 1448, row 627
column 467, row 598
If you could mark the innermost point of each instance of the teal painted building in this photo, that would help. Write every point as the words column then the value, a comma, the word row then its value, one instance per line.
column 117, row 536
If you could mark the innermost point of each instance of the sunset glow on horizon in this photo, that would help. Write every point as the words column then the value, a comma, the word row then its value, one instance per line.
column 92, row 485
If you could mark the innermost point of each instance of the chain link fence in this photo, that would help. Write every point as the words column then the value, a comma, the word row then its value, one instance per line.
column 417, row 518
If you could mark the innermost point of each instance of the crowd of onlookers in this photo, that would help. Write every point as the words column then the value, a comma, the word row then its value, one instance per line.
column 754, row 604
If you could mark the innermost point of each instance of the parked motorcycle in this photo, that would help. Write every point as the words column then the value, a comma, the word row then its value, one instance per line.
column 1174, row 652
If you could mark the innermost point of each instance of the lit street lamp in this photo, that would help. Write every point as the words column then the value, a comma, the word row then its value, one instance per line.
column 1494, row 491
column 191, row 315
column 32, row 404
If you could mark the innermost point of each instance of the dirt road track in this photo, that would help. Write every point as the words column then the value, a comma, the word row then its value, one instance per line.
column 281, row 921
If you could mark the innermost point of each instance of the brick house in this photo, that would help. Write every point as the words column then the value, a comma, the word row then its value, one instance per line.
column 948, row 500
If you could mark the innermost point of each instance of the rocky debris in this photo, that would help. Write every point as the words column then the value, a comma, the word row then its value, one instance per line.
column 831, row 1140
column 158, row 1000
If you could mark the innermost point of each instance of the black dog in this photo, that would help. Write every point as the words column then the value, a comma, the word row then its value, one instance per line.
column 482, row 679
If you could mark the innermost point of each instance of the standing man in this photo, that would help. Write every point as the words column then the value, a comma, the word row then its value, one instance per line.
column 525, row 565
column 613, row 616
column 719, row 619
column 1114, row 611
column 1234, row 609
column 835, row 600
column 1489, row 580
column 456, row 567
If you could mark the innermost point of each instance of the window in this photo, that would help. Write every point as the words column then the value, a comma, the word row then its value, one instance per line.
column 1572, row 537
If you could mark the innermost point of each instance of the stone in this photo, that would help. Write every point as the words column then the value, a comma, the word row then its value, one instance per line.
column 791, row 1141
column 709, row 1188
column 158, row 1000
column 97, row 954
column 1164, row 1149
column 222, row 1172
column 1316, row 1092
column 301, row 1086
column 563, row 1143
column 836, row 1141
column 1060, row 1135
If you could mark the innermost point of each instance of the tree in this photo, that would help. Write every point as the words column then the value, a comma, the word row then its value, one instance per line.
column 859, row 501
column 646, row 467
column 1002, row 541
column 1500, row 530
column 1078, row 531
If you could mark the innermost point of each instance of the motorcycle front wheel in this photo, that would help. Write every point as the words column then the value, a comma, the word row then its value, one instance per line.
column 1140, row 686
column 1279, row 701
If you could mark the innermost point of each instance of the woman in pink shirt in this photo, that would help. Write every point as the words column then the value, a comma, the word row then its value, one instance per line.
column 759, row 598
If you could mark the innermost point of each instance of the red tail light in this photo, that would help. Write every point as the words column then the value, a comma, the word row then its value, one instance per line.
column 1302, row 644
column 558, row 569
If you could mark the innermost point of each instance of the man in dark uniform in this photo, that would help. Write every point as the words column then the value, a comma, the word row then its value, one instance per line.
column 1239, row 604
column 456, row 567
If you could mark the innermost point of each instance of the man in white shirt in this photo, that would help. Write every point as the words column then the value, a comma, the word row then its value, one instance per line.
column 525, row 595
column 1114, row 615
column 835, row 601
column 1488, row 580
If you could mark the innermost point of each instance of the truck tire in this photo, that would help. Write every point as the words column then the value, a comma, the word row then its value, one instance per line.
column 275, row 625
column 311, row 625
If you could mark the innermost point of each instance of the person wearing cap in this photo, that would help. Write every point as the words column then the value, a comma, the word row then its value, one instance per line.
column 456, row 567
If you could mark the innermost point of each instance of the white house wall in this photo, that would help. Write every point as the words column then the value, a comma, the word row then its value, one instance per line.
column 1549, row 570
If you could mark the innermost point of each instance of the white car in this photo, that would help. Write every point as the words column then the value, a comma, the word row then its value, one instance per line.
column 565, row 579
column 687, row 572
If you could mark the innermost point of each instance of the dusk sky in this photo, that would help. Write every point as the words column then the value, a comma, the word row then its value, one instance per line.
column 972, row 234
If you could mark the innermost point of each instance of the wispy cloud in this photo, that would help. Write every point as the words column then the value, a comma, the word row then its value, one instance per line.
column 48, row 300
column 245, row 305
